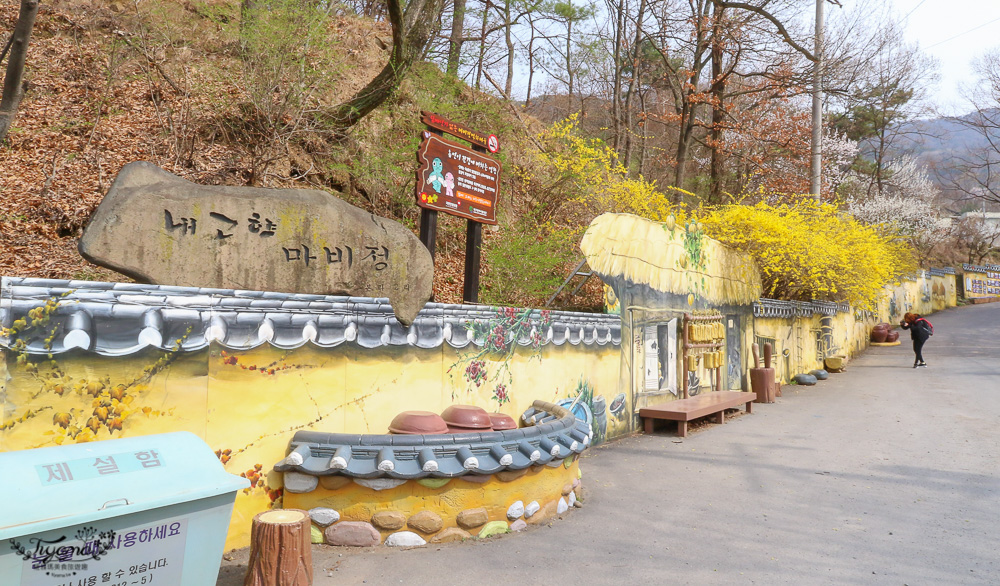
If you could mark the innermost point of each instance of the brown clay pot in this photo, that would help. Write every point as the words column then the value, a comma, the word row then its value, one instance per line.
column 463, row 418
column 502, row 421
column 418, row 423
column 892, row 337
column 880, row 333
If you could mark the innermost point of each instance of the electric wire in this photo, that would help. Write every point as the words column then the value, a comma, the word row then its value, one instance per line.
column 962, row 34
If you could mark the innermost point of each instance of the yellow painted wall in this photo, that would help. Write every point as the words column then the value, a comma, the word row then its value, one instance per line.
column 247, row 405
column 982, row 284
column 544, row 484
column 801, row 343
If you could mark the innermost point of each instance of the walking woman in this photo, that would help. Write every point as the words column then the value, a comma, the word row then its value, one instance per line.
column 920, row 330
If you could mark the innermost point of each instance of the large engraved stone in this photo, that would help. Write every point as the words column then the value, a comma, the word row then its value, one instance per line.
column 158, row 228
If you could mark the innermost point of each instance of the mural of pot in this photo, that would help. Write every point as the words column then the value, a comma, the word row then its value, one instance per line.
column 580, row 409
column 618, row 406
column 600, row 410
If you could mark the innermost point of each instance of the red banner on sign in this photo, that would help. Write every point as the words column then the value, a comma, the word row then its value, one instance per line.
column 431, row 119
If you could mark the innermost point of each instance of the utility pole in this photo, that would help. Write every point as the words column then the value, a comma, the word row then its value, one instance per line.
column 816, row 169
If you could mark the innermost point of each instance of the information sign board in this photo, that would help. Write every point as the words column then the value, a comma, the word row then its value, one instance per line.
column 454, row 179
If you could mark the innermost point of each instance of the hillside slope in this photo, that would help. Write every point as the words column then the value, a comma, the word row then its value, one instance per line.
column 178, row 84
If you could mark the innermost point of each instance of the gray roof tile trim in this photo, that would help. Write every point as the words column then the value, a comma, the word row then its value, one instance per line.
column 437, row 456
column 980, row 268
column 123, row 318
column 787, row 309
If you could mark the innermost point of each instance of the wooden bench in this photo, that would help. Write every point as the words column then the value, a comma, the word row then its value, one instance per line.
column 684, row 410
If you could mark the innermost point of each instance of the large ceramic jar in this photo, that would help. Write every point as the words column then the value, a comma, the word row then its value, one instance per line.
column 466, row 418
column 418, row 423
column 880, row 333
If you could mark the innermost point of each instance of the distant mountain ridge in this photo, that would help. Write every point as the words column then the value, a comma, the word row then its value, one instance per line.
column 935, row 137
column 939, row 143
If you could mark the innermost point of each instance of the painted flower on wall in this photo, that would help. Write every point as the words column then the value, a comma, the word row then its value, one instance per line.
column 497, row 338
column 500, row 394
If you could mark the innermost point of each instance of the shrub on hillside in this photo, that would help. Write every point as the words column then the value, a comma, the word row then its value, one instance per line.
column 584, row 179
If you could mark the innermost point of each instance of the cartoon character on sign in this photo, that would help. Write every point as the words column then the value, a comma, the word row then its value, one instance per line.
column 449, row 184
column 436, row 179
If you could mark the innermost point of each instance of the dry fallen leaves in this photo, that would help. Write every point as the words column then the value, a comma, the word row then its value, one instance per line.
column 94, row 104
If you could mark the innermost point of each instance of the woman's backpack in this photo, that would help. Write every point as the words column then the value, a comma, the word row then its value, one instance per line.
column 926, row 326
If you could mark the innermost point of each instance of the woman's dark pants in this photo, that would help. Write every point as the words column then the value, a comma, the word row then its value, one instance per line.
column 917, row 347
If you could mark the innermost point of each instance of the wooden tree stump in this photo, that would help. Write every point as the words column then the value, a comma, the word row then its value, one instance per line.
column 280, row 549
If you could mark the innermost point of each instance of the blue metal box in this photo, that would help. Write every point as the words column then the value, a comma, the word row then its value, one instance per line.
column 145, row 510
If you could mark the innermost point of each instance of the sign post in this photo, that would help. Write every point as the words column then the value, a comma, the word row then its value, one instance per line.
column 460, row 181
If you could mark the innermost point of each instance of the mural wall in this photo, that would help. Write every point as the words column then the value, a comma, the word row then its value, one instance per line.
column 246, row 370
column 804, row 334
column 661, row 277
column 655, row 274
column 981, row 281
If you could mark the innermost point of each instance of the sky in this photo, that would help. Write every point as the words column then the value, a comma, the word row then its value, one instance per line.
column 953, row 32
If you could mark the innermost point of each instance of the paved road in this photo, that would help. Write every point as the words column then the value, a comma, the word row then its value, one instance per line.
column 880, row 475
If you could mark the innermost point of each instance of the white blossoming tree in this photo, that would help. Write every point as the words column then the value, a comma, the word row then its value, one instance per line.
column 904, row 208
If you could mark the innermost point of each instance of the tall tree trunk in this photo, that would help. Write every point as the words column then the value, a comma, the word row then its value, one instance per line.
column 411, row 31
column 531, row 61
column 569, row 63
column 13, row 86
column 718, row 106
column 510, row 47
column 455, row 40
column 636, row 48
column 689, row 108
column 616, row 83
column 683, row 142
column 482, row 44
column 645, row 134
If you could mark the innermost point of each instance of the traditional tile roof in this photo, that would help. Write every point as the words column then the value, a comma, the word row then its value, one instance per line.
column 980, row 269
column 115, row 319
column 556, row 435
column 780, row 308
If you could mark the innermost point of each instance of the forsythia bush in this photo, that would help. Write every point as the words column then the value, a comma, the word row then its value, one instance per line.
column 808, row 251
column 565, row 186
column 590, row 174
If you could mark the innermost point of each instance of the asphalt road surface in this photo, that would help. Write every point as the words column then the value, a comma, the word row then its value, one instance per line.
column 883, row 474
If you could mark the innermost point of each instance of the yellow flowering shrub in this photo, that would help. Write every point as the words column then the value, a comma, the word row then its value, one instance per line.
column 808, row 251
column 593, row 181
column 561, row 189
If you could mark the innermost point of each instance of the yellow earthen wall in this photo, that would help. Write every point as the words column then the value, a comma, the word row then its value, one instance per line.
column 248, row 408
column 249, row 416
column 542, row 484
column 802, row 342
column 982, row 284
